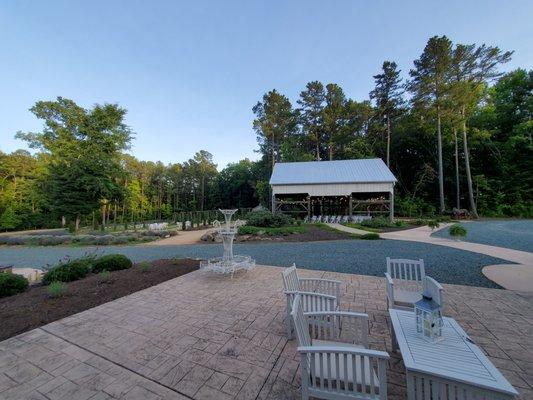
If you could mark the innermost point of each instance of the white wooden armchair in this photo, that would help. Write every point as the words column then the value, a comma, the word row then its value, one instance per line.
column 324, row 290
column 404, row 282
column 334, row 360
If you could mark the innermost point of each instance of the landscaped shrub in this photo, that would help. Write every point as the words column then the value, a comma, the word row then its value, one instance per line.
column 377, row 222
column 69, row 271
column 57, row 289
column 51, row 240
column 433, row 223
column 420, row 222
column 11, row 284
column 457, row 231
column 145, row 267
column 369, row 236
column 112, row 262
column 104, row 276
column 399, row 223
column 267, row 219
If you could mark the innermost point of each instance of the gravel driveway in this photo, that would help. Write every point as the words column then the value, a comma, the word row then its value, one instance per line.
column 513, row 234
column 364, row 257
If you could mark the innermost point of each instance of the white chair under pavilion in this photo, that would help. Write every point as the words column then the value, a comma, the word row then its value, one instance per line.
column 335, row 362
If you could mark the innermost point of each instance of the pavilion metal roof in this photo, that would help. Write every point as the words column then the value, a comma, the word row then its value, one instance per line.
column 338, row 171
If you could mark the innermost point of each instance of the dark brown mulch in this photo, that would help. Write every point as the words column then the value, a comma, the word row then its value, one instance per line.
column 315, row 233
column 34, row 308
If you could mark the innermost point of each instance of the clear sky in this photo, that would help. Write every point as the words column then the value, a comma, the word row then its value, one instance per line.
column 190, row 72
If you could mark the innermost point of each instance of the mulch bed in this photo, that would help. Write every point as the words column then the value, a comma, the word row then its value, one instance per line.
column 34, row 308
column 315, row 233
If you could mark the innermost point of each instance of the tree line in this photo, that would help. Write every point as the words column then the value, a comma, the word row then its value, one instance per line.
column 456, row 128
column 80, row 173
column 456, row 133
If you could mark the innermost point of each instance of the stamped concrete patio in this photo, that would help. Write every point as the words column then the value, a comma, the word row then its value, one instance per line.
column 210, row 337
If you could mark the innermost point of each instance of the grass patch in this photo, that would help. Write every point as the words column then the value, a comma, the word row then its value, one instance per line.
column 57, row 289
column 370, row 236
column 357, row 225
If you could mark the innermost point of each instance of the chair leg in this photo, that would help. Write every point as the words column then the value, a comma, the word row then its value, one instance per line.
column 288, row 326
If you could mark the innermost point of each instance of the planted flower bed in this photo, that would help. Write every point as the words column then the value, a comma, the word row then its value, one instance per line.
column 98, row 239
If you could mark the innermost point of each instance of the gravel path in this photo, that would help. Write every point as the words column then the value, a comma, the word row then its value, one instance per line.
column 365, row 257
column 513, row 234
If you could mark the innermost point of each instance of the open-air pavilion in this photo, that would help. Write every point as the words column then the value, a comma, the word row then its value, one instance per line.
column 341, row 187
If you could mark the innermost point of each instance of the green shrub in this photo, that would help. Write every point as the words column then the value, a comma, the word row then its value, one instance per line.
column 145, row 267
column 69, row 271
column 399, row 223
column 11, row 284
column 433, row 223
column 377, row 222
column 104, row 276
column 57, row 289
column 420, row 222
column 112, row 262
column 457, row 231
column 267, row 219
column 369, row 236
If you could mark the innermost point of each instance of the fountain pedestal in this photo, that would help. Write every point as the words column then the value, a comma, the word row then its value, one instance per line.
column 228, row 263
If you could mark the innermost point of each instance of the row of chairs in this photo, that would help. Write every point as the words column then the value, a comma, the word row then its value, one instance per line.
column 335, row 360
column 336, row 219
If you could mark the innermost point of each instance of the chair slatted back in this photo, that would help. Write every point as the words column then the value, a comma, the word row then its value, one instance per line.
column 406, row 270
column 300, row 322
column 434, row 288
column 290, row 279
column 336, row 374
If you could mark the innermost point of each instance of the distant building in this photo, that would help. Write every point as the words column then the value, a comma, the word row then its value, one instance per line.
column 342, row 187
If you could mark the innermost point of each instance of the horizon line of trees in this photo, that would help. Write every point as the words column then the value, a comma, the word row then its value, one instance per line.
column 456, row 129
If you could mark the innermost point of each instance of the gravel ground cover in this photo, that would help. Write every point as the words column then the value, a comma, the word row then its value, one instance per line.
column 445, row 264
column 513, row 234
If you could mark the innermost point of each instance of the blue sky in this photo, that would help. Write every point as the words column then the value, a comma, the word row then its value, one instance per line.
column 190, row 72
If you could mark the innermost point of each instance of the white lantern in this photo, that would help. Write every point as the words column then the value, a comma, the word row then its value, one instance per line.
column 428, row 318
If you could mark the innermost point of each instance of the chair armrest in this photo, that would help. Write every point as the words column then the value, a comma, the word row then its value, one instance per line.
column 345, row 350
column 321, row 280
column 337, row 313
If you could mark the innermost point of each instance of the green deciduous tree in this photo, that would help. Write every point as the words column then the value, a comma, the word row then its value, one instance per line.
column 84, row 153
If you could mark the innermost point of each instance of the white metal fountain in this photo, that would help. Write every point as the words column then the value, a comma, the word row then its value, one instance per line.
column 228, row 263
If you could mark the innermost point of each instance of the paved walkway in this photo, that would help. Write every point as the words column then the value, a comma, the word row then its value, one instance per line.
column 183, row 237
column 209, row 337
column 513, row 277
column 348, row 229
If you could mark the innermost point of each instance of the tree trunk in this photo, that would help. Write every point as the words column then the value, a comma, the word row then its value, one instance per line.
column 388, row 139
column 203, row 193
column 103, row 215
column 441, row 173
column 330, row 150
column 317, row 146
column 457, row 193
column 63, row 221
column 473, row 208
column 77, row 224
